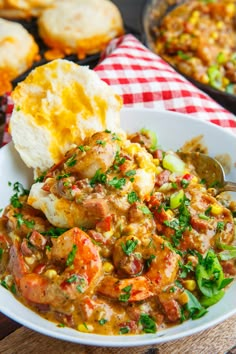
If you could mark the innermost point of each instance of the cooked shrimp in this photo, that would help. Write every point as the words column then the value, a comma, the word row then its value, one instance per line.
column 151, row 257
column 17, row 265
column 135, row 289
column 98, row 154
column 80, row 257
column 4, row 251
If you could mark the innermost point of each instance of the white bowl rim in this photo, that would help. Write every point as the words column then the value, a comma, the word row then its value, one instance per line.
column 74, row 336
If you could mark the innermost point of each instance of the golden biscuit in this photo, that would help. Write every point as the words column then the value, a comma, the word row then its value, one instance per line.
column 18, row 51
column 19, row 9
column 80, row 27
column 58, row 105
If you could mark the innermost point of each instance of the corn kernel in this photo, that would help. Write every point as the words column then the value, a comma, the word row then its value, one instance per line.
column 214, row 35
column 230, row 9
column 170, row 213
column 108, row 234
column 183, row 298
column 108, row 267
column 156, row 162
column 225, row 81
column 196, row 14
column 30, row 260
column 83, row 327
column 193, row 20
column 50, row 273
column 205, row 79
column 220, row 24
column 216, row 209
column 132, row 149
column 194, row 180
column 189, row 284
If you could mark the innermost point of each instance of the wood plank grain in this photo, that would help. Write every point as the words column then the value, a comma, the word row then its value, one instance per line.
column 216, row 340
column 7, row 326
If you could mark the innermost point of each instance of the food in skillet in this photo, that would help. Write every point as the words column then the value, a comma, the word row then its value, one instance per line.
column 118, row 237
column 199, row 38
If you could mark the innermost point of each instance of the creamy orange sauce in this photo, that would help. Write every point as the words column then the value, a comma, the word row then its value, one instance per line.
column 125, row 261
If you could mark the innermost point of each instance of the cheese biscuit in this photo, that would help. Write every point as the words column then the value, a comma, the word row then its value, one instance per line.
column 80, row 27
column 22, row 9
column 58, row 105
column 18, row 50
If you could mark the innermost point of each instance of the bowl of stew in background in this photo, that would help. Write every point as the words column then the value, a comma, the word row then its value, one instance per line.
column 197, row 38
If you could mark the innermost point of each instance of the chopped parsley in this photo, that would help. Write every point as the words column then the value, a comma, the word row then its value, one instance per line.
column 183, row 55
column 220, row 226
column 61, row 325
column 185, row 269
column 148, row 324
column 102, row 321
column 149, row 260
column 203, row 217
column 99, row 177
column 19, row 191
column 81, row 285
column 40, row 178
column 129, row 246
column 184, row 183
column 117, row 183
column 132, row 197
column 21, row 221
column 101, row 142
column 181, row 223
column 124, row 330
column 54, row 232
column 65, row 175
column 194, row 308
column 144, row 209
column 115, row 137
column 126, row 293
column 4, row 284
column 71, row 256
column 72, row 279
column 81, row 148
column 71, row 161
column 130, row 173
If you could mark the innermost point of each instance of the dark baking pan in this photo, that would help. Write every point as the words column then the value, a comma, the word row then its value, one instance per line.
column 31, row 27
column 153, row 13
column 131, row 13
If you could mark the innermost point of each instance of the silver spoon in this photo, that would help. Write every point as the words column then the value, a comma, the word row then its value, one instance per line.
column 208, row 169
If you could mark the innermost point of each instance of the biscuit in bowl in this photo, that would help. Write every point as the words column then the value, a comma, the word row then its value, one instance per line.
column 81, row 27
column 22, row 9
column 18, row 50
column 58, row 105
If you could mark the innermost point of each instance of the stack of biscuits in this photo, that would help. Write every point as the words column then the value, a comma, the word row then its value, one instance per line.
column 66, row 27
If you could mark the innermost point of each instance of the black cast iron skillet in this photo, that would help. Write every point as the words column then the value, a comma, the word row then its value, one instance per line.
column 153, row 13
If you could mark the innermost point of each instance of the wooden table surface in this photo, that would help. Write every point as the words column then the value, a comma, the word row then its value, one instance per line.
column 16, row 339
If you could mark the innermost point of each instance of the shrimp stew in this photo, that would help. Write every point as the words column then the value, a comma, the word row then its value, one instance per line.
column 119, row 238
column 199, row 39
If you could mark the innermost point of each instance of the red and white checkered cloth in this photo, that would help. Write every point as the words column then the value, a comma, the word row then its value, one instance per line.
column 143, row 79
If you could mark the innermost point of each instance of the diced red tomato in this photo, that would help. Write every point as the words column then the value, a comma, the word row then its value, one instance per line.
column 105, row 224
column 187, row 177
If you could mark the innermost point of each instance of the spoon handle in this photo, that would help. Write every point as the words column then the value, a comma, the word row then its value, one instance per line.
column 229, row 186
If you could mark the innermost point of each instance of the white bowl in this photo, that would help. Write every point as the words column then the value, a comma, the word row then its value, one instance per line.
column 172, row 129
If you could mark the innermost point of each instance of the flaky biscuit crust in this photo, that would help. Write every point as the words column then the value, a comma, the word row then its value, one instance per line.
column 80, row 27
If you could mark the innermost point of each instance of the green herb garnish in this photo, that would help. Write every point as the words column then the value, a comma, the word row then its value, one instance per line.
column 71, row 256
column 129, row 246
